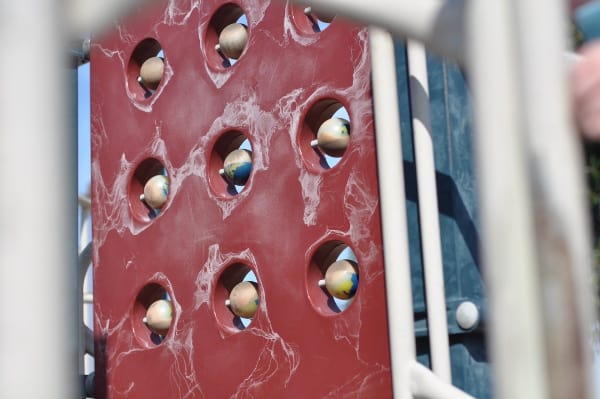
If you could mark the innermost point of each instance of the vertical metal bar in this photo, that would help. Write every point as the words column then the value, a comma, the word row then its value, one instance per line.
column 437, row 323
column 393, row 211
column 506, row 209
column 426, row 385
column 560, row 208
column 38, row 236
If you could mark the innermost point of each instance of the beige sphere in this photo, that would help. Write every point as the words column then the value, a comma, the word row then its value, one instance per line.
column 341, row 279
column 156, row 191
column 243, row 299
column 333, row 136
column 233, row 39
column 152, row 71
column 159, row 316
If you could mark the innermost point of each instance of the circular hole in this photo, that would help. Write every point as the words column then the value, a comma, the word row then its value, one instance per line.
column 145, row 69
column 226, row 36
column 236, row 297
column 148, row 189
column 309, row 21
column 152, row 315
column 333, row 275
column 325, row 134
column 230, row 164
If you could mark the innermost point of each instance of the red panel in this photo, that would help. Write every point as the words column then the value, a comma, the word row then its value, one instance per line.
column 285, row 83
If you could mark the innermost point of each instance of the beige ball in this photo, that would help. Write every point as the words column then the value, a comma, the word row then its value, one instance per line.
column 159, row 316
column 156, row 191
column 333, row 136
column 152, row 72
column 243, row 299
column 233, row 40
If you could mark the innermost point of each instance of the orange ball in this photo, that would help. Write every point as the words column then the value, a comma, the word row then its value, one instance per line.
column 243, row 299
column 152, row 71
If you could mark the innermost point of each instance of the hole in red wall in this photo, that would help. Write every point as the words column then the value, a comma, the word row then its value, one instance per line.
column 236, row 297
column 148, row 189
column 145, row 69
column 332, row 279
column 230, row 163
column 149, row 327
column 226, row 37
column 324, row 134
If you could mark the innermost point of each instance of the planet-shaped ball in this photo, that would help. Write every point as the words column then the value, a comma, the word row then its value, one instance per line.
column 237, row 166
column 233, row 39
column 341, row 279
column 333, row 136
column 243, row 299
column 156, row 191
column 152, row 71
column 159, row 316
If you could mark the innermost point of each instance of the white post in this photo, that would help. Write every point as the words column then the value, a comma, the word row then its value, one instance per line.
column 437, row 322
column 506, row 209
column 38, row 236
column 561, row 213
column 393, row 211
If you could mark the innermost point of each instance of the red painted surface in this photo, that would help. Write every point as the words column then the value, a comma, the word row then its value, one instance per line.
column 284, row 225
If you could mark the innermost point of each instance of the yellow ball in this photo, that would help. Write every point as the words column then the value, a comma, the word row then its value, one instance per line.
column 159, row 316
column 156, row 191
column 243, row 299
column 333, row 136
column 152, row 71
column 341, row 279
column 233, row 39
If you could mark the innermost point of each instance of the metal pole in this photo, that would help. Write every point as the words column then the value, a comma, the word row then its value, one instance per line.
column 507, row 231
column 393, row 211
column 561, row 218
column 435, row 292
column 38, row 236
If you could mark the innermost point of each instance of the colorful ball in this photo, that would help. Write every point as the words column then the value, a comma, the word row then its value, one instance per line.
column 333, row 136
column 156, row 191
column 237, row 166
column 243, row 299
column 152, row 71
column 159, row 316
column 341, row 279
column 233, row 39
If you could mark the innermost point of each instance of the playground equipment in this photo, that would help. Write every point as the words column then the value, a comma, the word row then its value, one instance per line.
column 316, row 209
column 524, row 146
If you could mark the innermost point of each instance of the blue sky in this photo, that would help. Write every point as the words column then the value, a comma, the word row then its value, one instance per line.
column 83, row 128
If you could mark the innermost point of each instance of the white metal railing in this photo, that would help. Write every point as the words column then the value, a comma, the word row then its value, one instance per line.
column 85, row 312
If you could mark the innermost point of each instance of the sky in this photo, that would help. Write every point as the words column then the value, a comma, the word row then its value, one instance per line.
column 83, row 128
